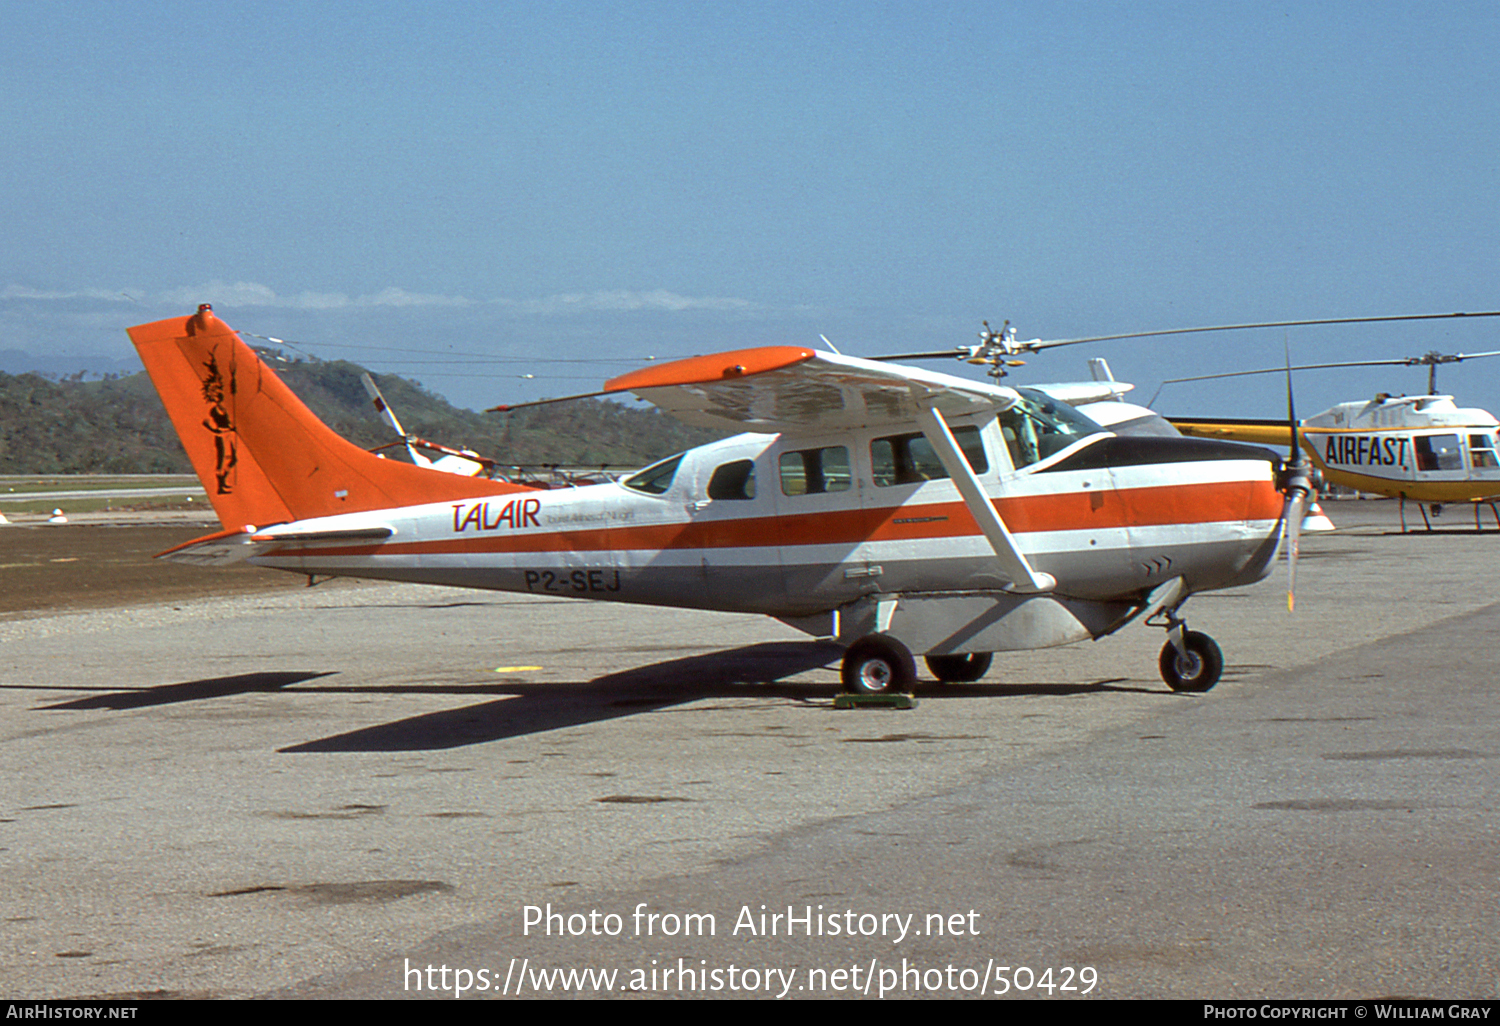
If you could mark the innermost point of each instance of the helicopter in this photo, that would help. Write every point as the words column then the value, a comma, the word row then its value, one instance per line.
column 1420, row 448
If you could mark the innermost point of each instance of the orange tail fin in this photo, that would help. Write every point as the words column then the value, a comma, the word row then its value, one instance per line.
column 262, row 455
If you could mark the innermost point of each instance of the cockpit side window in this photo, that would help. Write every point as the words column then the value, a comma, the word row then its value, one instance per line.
column 1039, row 426
column 733, row 481
column 655, row 479
column 1438, row 452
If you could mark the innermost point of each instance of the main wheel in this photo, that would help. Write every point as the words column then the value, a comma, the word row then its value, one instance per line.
column 878, row 664
column 959, row 669
column 1196, row 670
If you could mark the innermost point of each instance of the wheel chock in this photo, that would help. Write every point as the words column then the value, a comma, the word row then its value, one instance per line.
column 846, row 700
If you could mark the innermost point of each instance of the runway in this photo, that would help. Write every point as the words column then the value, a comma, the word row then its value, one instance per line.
column 310, row 792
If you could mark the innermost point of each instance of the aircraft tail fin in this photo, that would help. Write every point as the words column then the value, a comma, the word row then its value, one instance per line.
column 262, row 455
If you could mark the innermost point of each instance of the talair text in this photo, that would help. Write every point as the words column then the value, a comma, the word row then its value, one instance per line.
column 515, row 514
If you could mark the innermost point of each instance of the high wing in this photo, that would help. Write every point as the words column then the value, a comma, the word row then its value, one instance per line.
column 792, row 390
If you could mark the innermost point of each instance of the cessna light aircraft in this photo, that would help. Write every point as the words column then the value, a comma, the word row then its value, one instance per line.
column 1419, row 447
column 899, row 511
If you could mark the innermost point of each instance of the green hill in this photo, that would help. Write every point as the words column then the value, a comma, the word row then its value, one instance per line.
column 118, row 426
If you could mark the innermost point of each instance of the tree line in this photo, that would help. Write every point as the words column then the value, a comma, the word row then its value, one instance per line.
column 117, row 425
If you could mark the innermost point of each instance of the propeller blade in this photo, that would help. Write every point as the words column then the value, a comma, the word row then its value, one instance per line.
column 1298, row 486
column 1296, row 509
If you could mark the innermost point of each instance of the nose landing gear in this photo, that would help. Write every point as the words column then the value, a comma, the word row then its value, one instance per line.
column 1196, row 667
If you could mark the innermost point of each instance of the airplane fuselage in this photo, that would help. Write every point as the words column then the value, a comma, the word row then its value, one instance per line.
column 899, row 511
column 798, row 527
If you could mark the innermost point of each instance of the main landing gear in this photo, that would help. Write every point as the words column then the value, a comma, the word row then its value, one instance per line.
column 878, row 664
column 958, row 669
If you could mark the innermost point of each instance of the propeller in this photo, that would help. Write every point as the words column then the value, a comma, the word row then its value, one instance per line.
column 1297, row 485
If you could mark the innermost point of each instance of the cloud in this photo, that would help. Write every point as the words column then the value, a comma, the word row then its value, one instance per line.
column 627, row 300
column 24, row 292
column 400, row 297
column 241, row 294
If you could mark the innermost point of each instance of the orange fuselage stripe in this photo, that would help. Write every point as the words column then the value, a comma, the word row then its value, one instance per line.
column 1102, row 509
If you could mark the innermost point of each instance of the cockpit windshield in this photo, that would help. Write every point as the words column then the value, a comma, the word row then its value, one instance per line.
column 1039, row 425
column 655, row 479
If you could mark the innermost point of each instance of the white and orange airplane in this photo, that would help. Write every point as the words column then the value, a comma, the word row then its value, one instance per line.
column 899, row 511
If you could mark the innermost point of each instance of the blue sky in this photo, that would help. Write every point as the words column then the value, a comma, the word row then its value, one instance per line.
column 468, row 192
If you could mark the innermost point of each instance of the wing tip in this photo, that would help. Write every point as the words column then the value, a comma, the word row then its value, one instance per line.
column 698, row 370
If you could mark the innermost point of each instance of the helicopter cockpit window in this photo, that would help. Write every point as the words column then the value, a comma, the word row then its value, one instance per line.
column 1482, row 452
column 1438, row 452
column 733, row 481
column 1038, row 426
column 814, row 471
column 908, row 459
column 655, row 479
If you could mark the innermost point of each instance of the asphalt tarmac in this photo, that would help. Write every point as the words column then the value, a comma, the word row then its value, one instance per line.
column 370, row 790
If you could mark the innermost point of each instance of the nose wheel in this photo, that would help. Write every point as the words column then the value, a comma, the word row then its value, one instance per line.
column 1196, row 667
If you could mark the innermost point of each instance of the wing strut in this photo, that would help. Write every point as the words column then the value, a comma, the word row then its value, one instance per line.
column 1012, row 562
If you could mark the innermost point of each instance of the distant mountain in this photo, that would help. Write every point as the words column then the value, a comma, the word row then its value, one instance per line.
column 117, row 425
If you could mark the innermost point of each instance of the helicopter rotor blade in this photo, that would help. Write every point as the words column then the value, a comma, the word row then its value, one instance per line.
column 998, row 343
column 955, row 353
column 1050, row 343
column 1429, row 360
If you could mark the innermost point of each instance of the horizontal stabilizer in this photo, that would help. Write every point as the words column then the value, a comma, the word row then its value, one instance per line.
column 292, row 534
column 222, row 549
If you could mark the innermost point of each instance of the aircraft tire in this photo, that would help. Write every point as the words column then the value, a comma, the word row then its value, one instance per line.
column 878, row 664
column 958, row 669
column 1199, row 669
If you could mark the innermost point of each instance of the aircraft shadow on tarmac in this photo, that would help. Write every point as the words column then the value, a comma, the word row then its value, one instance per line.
column 192, row 691
column 752, row 671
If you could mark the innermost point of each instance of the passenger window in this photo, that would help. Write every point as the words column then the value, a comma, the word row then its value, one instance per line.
column 655, row 479
column 733, row 481
column 814, row 471
column 909, row 459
